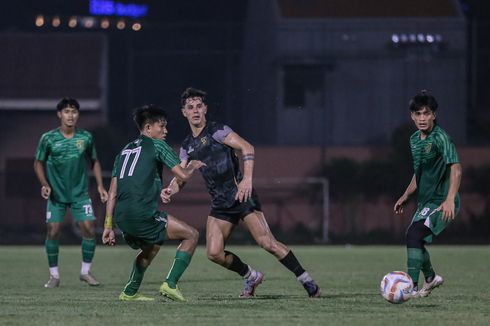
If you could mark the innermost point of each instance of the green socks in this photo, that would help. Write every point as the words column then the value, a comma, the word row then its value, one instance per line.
column 135, row 279
column 181, row 261
column 52, row 250
column 415, row 259
column 427, row 266
column 88, row 250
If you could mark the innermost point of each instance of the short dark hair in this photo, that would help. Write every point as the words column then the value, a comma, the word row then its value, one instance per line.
column 148, row 114
column 68, row 102
column 191, row 92
column 423, row 99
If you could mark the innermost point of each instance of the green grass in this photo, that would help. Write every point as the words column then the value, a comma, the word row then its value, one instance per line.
column 349, row 278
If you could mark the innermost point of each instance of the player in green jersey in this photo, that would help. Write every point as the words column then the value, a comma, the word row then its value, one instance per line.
column 64, row 153
column 437, row 176
column 133, row 199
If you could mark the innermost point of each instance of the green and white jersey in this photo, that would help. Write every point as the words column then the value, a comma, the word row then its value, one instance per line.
column 136, row 168
column 66, row 163
column 431, row 159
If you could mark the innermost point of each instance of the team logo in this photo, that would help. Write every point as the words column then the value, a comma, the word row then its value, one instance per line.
column 191, row 149
column 204, row 141
column 428, row 147
column 80, row 144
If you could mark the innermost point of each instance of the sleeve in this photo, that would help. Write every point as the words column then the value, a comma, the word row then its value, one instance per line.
column 183, row 155
column 447, row 149
column 166, row 154
column 116, row 164
column 42, row 150
column 220, row 132
column 91, row 152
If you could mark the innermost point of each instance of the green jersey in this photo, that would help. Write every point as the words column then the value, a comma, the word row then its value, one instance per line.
column 66, row 163
column 431, row 159
column 136, row 168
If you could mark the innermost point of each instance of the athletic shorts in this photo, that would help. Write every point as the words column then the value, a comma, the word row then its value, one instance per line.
column 144, row 232
column 432, row 218
column 238, row 211
column 80, row 210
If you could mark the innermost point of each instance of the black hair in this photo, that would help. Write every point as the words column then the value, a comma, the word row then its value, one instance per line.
column 191, row 92
column 68, row 102
column 148, row 114
column 423, row 99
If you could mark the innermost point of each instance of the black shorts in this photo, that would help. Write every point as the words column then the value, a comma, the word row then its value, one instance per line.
column 238, row 211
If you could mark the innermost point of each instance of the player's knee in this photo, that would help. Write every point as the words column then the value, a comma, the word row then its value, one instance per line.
column 414, row 238
column 216, row 257
column 193, row 234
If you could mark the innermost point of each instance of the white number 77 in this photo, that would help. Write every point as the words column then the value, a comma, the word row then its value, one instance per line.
column 127, row 153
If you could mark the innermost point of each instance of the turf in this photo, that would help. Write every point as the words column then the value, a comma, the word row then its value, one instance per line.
column 349, row 278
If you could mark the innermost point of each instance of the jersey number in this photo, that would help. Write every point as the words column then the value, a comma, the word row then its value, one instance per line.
column 127, row 154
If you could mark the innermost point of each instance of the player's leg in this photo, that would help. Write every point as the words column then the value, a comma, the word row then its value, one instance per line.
column 258, row 227
column 189, row 236
column 417, row 255
column 55, row 213
column 140, row 264
column 217, row 232
column 83, row 214
column 52, row 245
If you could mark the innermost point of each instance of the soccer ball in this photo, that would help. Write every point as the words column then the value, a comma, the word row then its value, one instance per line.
column 396, row 287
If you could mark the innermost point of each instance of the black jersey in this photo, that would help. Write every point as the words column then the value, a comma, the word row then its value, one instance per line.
column 222, row 171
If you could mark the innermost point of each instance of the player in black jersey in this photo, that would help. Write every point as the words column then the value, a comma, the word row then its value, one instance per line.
column 232, row 193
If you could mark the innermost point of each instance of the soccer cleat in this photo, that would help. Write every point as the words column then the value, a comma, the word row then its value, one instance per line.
column 251, row 285
column 90, row 279
column 428, row 287
column 52, row 282
column 135, row 297
column 170, row 293
column 312, row 288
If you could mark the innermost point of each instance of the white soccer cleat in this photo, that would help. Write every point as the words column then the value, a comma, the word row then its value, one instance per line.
column 428, row 287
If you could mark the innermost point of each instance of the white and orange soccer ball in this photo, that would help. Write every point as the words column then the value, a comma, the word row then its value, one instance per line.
column 396, row 287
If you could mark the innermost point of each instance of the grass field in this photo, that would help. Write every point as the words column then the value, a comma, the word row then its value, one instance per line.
column 349, row 278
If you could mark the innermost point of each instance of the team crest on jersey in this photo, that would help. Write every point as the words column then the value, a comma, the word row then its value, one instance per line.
column 204, row 141
column 80, row 144
column 428, row 147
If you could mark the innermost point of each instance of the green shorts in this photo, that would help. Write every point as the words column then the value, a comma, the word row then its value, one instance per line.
column 141, row 232
column 80, row 210
column 433, row 218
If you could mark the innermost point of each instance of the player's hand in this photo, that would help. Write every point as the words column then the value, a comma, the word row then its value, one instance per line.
column 398, row 208
column 165, row 195
column 195, row 164
column 109, row 237
column 103, row 194
column 244, row 191
column 45, row 191
column 447, row 207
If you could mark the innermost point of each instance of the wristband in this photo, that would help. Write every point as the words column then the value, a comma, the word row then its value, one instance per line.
column 108, row 222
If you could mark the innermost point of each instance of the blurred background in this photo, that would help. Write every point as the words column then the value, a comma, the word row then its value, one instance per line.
column 319, row 87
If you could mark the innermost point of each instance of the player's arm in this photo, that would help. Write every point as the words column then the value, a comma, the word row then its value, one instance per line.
column 181, row 176
column 173, row 187
column 39, row 170
column 98, row 178
column 248, row 157
column 448, row 206
column 109, row 237
column 412, row 187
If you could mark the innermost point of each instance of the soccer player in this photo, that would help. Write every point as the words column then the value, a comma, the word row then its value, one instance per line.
column 437, row 176
column 232, row 193
column 133, row 198
column 64, row 153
